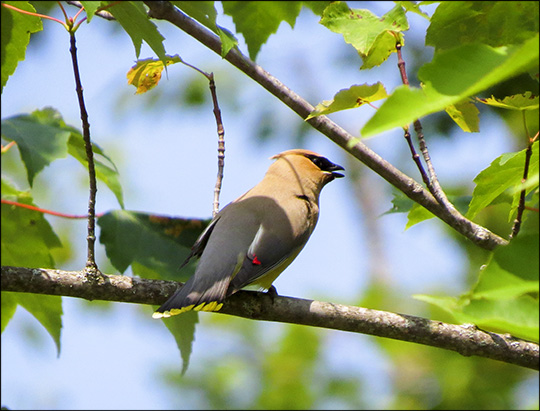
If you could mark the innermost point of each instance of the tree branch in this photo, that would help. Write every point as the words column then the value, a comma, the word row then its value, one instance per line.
column 464, row 339
column 412, row 189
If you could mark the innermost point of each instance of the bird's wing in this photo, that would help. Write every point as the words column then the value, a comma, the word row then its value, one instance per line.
column 268, row 255
column 198, row 248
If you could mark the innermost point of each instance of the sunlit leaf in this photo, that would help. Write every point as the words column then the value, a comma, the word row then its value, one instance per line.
column 525, row 101
column 465, row 114
column 505, row 298
column 353, row 97
column 451, row 77
column 373, row 37
column 145, row 75
column 413, row 7
column 495, row 23
column 503, row 173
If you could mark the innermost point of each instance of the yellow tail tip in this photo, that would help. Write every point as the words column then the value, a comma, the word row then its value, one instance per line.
column 211, row 306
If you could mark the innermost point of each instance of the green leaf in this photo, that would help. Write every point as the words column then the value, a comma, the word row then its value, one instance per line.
column 9, row 306
column 16, row 29
column 353, row 97
column 413, row 7
column 517, row 316
column 400, row 203
column 316, row 7
column 40, row 140
column 372, row 36
column 465, row 114
column 504, row 172
column 205, row 13
column 24, row 230
column 520, row 257
column 90, row 7
column 47, row 309
column 133, row 18
column 257, row 20
column 182, row 327
column 497, row 283
column 228, row 40
column 495, row 23
column 32, row 133
column 451, row 77
column 160, row 243
column 202, row 11
column 107, row 174
column 525, row 101
column 469, row 69
column 417, row 215
column 505, row 298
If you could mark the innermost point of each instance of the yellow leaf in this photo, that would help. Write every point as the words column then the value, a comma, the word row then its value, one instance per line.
column 145, row 75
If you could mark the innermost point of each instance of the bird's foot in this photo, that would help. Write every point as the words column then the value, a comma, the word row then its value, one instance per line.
column 272, row 293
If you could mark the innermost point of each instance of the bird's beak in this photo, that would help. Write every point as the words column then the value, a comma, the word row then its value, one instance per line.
column 334, row 167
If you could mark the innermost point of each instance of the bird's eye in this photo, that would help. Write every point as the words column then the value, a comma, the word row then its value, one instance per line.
column 317, row 161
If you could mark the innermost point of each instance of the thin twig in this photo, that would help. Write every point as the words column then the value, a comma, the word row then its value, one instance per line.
column 221, row 145
column 91, row 266
column 433, row 182
column 412, row 189
column 416, row 156
column 528, row 154
column 221, row 135
column 465, row 339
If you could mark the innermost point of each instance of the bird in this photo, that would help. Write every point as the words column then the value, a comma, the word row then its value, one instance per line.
column 255, row 237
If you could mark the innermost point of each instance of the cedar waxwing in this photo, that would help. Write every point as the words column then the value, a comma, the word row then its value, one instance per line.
column 254, row 238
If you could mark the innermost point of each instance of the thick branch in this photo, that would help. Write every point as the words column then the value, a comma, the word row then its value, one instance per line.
column 476, row 233
column 466, row 340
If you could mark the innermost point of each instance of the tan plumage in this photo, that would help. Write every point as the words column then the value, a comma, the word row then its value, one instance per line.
column 254, row 238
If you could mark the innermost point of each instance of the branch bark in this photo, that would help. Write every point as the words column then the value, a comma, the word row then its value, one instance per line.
column 479, row 235
column 464, row 339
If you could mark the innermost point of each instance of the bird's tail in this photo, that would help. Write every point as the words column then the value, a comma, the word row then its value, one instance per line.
column 194, row 295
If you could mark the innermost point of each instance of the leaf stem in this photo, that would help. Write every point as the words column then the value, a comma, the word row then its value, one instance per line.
column 9, row 6
column 6, row 148
column 44, row 211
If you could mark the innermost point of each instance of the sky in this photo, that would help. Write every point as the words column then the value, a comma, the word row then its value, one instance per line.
column 167, row 164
